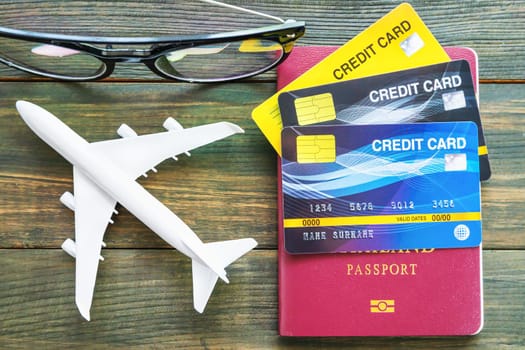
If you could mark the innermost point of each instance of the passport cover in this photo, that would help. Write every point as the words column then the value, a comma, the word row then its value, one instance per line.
column 378, row 293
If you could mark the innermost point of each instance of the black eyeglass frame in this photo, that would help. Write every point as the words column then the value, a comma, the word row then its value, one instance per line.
column 284, row 34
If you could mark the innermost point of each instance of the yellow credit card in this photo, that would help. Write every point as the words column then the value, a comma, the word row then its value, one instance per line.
column 315, row 148
column 399, row 40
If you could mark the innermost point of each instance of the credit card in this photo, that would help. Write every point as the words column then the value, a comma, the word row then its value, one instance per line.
column 397, row 41
column 439, row 92
column 350, row 188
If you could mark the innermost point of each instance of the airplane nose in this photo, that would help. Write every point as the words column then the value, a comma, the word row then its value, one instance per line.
column 25, row 109
column 40, row 121
column 32, row 114
column 21, row 105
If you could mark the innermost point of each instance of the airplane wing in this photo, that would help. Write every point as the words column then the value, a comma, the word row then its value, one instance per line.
column 138, row 154
column 93, row 210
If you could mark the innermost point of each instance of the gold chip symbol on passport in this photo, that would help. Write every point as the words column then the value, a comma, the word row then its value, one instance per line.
column 314, row 109
column 380, row 306
column 315, row 148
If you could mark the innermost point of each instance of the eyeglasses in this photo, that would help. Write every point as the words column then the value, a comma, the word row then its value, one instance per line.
column 196, row 58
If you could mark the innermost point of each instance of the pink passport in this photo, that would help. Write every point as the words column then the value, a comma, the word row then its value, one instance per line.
column 394, row 293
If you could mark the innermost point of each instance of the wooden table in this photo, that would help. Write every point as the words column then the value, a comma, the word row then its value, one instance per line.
column 227, row 190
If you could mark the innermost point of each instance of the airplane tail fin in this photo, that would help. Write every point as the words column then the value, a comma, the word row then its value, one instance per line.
column 204, row 277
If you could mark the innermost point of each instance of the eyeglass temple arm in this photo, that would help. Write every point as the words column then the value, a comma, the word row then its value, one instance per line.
column 238, row 8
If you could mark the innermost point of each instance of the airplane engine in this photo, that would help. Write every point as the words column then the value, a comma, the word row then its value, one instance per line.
column 70, row 247
column 68, row 200
column 126, row 131
column 171, row 124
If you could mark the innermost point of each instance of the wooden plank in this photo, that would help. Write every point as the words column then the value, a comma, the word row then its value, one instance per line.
column 143, row 297
column 505, row 137
column 233, row 181
column 492, row 28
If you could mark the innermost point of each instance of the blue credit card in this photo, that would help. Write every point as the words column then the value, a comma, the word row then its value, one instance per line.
column 380, row 187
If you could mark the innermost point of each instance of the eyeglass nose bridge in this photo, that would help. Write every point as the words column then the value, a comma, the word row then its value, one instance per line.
column 110, row 53
column 131, row 54
column 126, row 53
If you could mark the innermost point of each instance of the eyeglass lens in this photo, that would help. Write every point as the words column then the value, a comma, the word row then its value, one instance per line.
column 220, row 61
column 209, row 62
column 49, row 59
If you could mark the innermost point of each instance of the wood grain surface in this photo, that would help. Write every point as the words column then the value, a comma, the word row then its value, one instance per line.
column 227, row 190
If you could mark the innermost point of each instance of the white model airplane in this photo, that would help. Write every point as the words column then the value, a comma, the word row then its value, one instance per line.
column 105, row 173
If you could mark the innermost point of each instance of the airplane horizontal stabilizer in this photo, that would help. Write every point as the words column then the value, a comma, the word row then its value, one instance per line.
column 223, row 254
